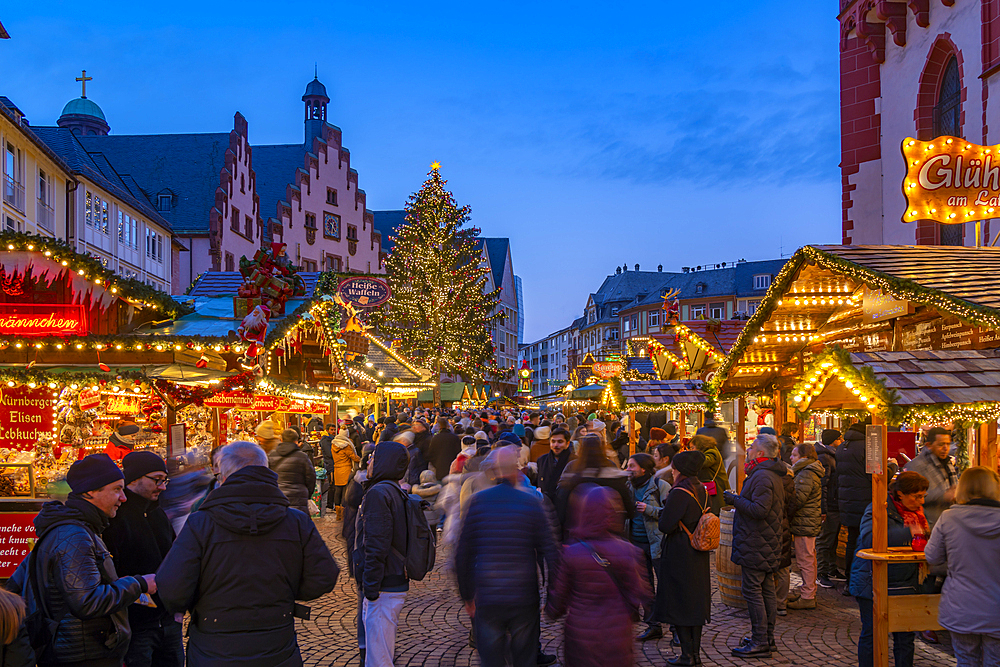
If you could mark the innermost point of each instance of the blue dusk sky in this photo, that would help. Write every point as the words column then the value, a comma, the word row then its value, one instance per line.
column 591, row 133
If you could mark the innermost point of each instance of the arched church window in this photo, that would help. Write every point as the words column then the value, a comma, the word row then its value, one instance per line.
column 947, row 113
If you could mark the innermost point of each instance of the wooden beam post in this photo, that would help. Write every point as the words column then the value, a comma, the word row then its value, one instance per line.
column 986, row 450
column 631, row 433
column 682, row 424
column 741, row 444
column 880, row 544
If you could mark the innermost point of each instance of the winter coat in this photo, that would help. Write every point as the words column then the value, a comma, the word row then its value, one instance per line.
column 138, row 538
column 760, row 509
column 77, row 576
column 444, row 448
column 807, row 498
column 296, row 474
column 239, row 565
column 505, row 534
column 714, row 469
column 787, row 445
column 717, row 433
column 654, row 494
column 550, row 469
column 684, row 596
column 854, row 484
column 903, row 577
column 418, row 456
column 538, row 449
column 18, row 653
column 828, row 457
column 353, row 496
column 598, row 626
column 966, row 538
column 342, row 458
column 941, row 475
column 613, row 478
column 381, row 524
column 389, row 431
column 788, row 483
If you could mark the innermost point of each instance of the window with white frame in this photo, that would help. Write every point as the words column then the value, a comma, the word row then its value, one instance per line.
column 154, row 246
column 654, row 318
column 717, row 311
column 697, row 312
column 762, row 281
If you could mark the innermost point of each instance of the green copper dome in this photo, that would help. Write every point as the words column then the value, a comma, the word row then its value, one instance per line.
column 81, row 106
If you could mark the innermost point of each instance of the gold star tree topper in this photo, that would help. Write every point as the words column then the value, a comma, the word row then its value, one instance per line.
column 435, row 165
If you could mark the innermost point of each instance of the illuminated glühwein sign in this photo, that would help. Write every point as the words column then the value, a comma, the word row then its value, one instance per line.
column 608, row 369
column 42, row 319
column 951, row 180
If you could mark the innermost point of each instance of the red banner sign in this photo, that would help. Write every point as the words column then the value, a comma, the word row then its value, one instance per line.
column 17, row 535
column 608, row 369
column 242, row 400
column 42, row 319
column 25, row 415
column 306, row 408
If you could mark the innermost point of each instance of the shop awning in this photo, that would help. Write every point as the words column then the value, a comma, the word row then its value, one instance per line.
column 904, row 386
column 657, row 395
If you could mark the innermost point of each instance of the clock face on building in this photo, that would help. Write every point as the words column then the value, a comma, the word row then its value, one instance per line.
column 331, row 225
column 525, row 373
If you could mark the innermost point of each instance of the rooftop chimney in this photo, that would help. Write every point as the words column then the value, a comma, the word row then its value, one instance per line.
column 659, row 268
column 636, row 267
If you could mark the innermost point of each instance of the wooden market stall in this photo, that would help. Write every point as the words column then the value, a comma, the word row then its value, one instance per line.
column 655, row 396
column 907, row 334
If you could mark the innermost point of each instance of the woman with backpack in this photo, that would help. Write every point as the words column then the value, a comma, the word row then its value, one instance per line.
column 684, row 598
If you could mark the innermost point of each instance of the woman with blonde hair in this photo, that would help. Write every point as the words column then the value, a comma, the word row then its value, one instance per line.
column 16, row 648
column 966, row 538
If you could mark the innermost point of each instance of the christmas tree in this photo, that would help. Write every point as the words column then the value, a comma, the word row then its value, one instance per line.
column 440, row 310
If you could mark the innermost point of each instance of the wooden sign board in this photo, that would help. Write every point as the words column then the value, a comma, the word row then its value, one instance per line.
column 873, row 450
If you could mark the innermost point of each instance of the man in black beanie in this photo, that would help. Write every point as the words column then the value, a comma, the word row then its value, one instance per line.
column 79, row 585
column 138, row 538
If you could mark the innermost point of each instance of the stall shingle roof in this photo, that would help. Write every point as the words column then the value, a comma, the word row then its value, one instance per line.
column 663, row 392
column 222, row 283
column 934, row 377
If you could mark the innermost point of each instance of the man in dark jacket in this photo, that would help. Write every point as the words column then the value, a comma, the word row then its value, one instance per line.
column 721, row 435
column 381, row 540
column 826, row 543
column 758, row 536
column 854, row 490
column 389, row 429
column 551, row 465
column 296, row 474
column 242, row 608
column 418, row 451
column 505, row 534
column 444, row 449
column 139, row 537
column 77, row 578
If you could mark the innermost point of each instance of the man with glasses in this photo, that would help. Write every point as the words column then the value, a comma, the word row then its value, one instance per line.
column 138, row 538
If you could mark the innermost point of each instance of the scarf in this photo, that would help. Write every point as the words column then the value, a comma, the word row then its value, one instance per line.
column 640, row 481
column 915, row 521
column 753, row 463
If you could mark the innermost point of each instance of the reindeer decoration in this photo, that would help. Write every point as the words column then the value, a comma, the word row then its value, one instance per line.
column 672, row 306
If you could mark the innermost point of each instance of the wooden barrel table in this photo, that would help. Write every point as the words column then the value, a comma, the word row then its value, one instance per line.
column 730, row 576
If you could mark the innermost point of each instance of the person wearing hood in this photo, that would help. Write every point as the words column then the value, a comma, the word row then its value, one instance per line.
column 713, row 475
column 905, row 520
column 138, row 537
column 339, row 465
column 806, row 520
column 966, row 539
column 599, row 585
column 758, row 536
column 79, row 585
column 381, row 539
column 296, row 474
column 242, row 609
column 684, row 598
column 644, row 532
column 506, row 533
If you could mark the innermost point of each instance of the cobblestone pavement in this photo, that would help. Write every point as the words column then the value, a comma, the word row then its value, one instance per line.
column 434, row 628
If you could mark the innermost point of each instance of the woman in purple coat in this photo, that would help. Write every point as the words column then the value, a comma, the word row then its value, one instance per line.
column 599, row 586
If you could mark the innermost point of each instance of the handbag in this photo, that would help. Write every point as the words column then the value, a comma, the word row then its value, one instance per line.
column 708, row 531
column 606, row 565
column 710, row 487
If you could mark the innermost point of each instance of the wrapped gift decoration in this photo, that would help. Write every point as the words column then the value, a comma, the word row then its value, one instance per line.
column 242, row 306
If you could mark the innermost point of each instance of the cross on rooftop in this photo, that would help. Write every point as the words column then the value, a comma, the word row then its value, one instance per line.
column 84, row 79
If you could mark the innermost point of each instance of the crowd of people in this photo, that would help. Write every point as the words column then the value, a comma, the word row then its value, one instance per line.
column 533, row 513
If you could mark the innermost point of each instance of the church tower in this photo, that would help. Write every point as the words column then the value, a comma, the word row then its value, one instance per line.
column 315, row 100
column 83, row 116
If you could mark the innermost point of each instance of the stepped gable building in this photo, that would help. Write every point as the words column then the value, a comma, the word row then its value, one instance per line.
column 224, row 197
column 921, row 69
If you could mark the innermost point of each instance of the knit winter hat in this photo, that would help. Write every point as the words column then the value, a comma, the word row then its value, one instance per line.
column 830, row 436
column 657, row 434
column 481, row 435
column 137, row 464
column 405, row 438
column 93, row 472
column 688, row 463
column 542, row 433
column 512, row 438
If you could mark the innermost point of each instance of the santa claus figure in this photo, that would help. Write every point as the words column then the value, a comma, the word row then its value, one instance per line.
column 253, row 328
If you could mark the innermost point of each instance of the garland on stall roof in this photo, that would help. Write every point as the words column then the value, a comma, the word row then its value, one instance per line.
column 16, row 377
column 127, row 342
column 859, row 380
column 92, row 269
